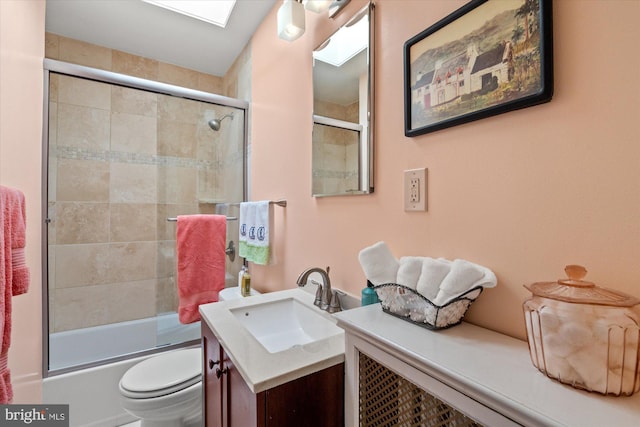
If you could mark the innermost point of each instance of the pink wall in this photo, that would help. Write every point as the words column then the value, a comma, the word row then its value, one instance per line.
column 22, row 51
column 523, row 193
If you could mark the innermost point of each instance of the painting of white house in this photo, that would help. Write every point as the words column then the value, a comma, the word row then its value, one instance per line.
column 482, row 59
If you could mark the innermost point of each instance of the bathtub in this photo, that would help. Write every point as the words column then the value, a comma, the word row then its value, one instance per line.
column 92, row 393
column 87, row 345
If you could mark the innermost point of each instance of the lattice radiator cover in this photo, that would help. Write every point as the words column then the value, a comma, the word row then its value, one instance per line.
column 387, row 399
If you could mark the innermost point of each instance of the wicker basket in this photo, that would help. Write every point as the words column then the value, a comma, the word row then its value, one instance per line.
column 407, row 304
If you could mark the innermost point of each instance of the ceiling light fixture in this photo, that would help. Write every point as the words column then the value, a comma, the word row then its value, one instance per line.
column 291, row 20
column 317, row 6
column 291, row 15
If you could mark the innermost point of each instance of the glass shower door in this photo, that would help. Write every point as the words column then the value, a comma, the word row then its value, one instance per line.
column 121, row 160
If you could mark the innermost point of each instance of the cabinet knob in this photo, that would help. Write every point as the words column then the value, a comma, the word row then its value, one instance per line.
column 212, row 363
column 221, row 372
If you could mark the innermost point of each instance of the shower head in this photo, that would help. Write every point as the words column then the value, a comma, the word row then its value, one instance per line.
column 215, row 123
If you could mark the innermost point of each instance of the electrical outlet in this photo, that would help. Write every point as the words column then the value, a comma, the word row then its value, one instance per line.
column 415, row 189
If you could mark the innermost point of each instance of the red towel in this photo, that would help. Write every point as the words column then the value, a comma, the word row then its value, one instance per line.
column 14, row 274
column 200, row 249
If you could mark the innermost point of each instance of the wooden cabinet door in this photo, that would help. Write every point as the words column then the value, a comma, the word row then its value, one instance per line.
column 315, row 400
column 240, row 403
column 212, row 383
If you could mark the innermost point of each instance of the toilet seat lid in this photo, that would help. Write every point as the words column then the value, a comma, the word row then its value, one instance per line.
column 164, row 374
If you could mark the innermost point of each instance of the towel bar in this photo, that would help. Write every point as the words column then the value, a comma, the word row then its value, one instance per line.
column 229, row 218
column 281, row 203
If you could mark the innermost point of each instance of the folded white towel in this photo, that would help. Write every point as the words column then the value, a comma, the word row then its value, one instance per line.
column 379, row 264
column 409, row 271
column 431, row 276
column 464, row 275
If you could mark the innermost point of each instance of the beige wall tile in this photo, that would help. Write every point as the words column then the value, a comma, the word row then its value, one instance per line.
column 233, row 182
column 78, row 308
column 166, row 296
column 177, row 139
column 179, row 76
column 51, row 46
column 209, row 83
column 82, row 127
column 136, row 66
column 133, row 183
column 133, row 134
column 85, row 93
column 103, row 304
column 209, row 186
column 133, row 300
column 54, row 80
column 208, row 140
column 82, row 53
column 82, row 180
column 132, row 222
column 81, row 265
column 82, row 222
column 134, row 101
column 166, row 259
column 132, row 261
column 177, row 185
column 173, row 109
column 237, row 80
column 206, row 208
column 167, row 229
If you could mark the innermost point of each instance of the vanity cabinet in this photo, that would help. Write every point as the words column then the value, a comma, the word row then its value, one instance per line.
column 316, row 399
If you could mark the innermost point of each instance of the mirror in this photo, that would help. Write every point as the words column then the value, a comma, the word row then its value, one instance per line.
column 343, row 110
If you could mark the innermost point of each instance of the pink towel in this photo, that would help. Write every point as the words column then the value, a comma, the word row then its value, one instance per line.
column 200, row 249
column 14, row 274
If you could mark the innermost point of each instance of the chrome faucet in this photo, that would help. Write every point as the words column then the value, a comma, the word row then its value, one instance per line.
column 326, row 299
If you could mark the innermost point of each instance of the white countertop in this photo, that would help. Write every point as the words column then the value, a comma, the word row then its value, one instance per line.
column 260, row 369
column 493, row 369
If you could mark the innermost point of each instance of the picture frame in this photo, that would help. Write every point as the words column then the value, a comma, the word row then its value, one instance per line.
column 486, row 58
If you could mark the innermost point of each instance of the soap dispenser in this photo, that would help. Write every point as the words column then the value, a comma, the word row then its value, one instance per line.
column 245, row 287
column 369, row 295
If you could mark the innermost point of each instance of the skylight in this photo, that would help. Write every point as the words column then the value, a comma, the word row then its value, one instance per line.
column 214, row 12
column 345, row 44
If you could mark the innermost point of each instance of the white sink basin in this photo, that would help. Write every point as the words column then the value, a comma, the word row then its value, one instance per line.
column 286, row 323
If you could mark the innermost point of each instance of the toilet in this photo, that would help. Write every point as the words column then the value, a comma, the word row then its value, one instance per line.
column 166, row 390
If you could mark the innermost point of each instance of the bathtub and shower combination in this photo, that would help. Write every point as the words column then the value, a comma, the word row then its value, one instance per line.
column 109, row 296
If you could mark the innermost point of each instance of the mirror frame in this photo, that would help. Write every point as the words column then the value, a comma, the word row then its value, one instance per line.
column 365, row 148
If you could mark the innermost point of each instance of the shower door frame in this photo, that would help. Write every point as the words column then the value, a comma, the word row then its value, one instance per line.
column 103, row 76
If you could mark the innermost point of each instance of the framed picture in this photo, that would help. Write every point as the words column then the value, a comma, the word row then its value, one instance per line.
column 486, row 58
